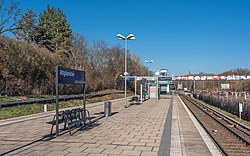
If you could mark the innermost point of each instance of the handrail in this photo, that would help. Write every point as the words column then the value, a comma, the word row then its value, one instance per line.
column 51, row 99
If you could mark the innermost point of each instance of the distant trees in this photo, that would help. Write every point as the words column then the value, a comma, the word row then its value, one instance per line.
column 27, row 68
column 235, row 85
column 237, row 71
column 27, row 65
column 239, row 85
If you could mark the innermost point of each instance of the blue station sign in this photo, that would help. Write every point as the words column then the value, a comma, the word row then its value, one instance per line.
column 164, row 78
column 70, row 76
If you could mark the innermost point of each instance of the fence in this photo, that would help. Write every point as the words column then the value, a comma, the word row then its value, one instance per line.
column 229, row 105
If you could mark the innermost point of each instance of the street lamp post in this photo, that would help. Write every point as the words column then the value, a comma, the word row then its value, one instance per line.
column 129, row 37
column 146, row 61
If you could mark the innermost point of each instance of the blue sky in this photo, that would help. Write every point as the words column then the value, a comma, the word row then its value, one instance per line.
column 208, row 36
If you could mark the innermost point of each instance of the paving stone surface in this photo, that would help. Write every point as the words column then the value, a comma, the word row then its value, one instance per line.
column 133, row 131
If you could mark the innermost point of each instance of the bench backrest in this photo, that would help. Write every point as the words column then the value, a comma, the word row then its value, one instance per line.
column 61, row 115
column 75, row 114
column 70, row 114
column 135, row 98
column 80, row 113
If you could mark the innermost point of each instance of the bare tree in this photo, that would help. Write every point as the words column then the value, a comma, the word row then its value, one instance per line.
column 9, row 15
column 78, row 56
column 26, row 26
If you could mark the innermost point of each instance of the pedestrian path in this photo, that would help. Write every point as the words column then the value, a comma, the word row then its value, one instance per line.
column 140, row 130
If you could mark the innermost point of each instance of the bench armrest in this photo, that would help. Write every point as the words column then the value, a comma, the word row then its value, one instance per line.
column 86, row 112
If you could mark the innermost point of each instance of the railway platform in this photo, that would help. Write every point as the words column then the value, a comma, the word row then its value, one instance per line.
column 155, row 127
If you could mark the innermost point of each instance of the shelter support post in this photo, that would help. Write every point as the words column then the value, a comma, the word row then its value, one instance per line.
column 135, row 87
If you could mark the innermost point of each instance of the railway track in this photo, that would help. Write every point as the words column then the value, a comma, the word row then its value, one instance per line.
column 232, row 138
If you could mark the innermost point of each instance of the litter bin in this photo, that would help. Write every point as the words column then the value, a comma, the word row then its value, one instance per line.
column 107, row 108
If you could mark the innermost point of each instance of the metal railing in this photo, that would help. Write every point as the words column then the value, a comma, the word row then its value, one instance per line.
column 51, row 99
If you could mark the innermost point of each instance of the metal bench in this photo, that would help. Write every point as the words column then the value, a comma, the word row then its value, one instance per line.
column 135, row 100
column 61, row 119
column 72, row 118
column 77, row 117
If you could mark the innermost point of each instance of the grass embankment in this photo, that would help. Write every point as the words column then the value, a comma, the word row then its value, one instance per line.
column 7, row 99
column 247, row 123
column 22, row 110
column 15, row 98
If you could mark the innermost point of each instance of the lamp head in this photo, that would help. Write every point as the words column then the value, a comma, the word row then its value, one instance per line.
column 131, row 37
column 151, row 61
column 120, row 36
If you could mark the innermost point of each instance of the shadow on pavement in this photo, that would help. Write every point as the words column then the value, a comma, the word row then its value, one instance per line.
column 102, row 113
column 49, row 137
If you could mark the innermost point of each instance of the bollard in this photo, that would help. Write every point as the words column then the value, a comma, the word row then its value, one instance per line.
column 45, row 107
column 107, row 108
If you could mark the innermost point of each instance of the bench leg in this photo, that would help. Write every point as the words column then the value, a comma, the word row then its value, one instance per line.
column 52, row 125
column 51, row 129
column 69, row 130
column 64, row 127
column 82, row 124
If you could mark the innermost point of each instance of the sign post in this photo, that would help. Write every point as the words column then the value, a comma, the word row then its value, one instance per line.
column 68, row 76
column 57, row 103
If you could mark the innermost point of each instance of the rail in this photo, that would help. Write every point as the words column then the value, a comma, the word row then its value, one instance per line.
column 51, row 99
